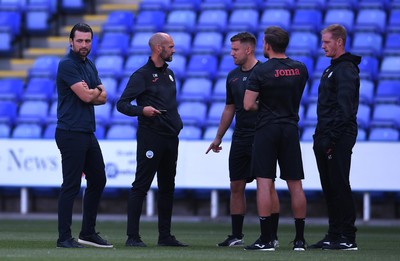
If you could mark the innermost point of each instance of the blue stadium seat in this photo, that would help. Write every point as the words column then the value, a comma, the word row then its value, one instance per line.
column 373, row 20
column 202, row 66
column 103, row 113
column 196, row 89
column 226, row 45
column 119, row 118
column 390, row 68
column 27, row 131
column 159, row 5
column 310, row 116
column 386, row 115
column 369, row 68
column 111, row 86
column 100, row 132
column 212, row 20
column 11, row 22
column 343, row 16
column 8, row 112
column 73, row 6
column 52, row 116
column 392, row 44
column 193, row 113
column 243, row 20
column 181, row 20
column 207, row 43
column 38, row 17
column 388, row 91
column 219, row 90
column 310, row 4
column 394, row 21
column 150, row 21
column 307, row 133
column 113, row 43
column 140, row 43
column 39, row 89
column 119, row 21
column 211, row 131
column 216, row 4
column 215, row 113
column 33, row 112
column 364, row 116
column 361, row 135
column 367, row 91
column 121, row 132
column 6, row 44
column 303, row 43
column 371, row 4
column 134, row 62
column 278, row 4
column 341, row 4
column 367, row 43
column 275, row 17
column 45, row 66
column 5, row 130
column 49, row 131
column 190, row 132
column 225, row 66
column 184, row 4
column 11, row 89
column 178, row 65
column 13, row 5
column 383, row 134
column 308, row 62
column 110, row 65
column 307, row 19
column 182, row 41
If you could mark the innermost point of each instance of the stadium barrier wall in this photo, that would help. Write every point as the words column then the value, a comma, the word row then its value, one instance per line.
column 37, row 163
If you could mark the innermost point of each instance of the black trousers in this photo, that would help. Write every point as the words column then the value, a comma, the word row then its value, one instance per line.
column 80, row 153
column 334, row 172
column 155, row 154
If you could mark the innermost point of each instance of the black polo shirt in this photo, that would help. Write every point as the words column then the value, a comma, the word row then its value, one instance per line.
column 74, row 114
column 156, row 87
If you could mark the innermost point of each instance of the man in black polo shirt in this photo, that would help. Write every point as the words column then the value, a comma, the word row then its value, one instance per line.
column 153, row 86
column 79, row 89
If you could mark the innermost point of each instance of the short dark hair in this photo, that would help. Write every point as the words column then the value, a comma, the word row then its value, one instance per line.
column 337, row 31
column 81, row 27
column 244, row 37
column 277, row 37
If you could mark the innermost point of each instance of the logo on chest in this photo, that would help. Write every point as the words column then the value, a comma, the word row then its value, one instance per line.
column 155, row 77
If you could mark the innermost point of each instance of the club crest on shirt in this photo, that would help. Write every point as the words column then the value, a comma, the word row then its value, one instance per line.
column 171, row 78
column 149, row 154
column 244, row 78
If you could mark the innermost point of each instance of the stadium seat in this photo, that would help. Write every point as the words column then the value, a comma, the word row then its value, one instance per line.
column 111, row 86
column 216, row 4
column 119, row 21
column 310, row 4
column 159, row 5
column 11, row 89
column 278, row 4
column 182, row 41
column 178, row 65
column 390, row 68
column 207, row 43
column 121, row 132
column 388, row 91
column 307, row 19
column 394, row 21
column 52, row 116
column 119, row 118
column 11, row 22
column 211, row 131
column 307, row 133
column 27, row 131
column 8, row 112
column 33, row 112
column 140, row 43
column 215, row 113
column 243, row 20
column 44, row 66
column 367, row 90
column 219, row 91
column 310, row 116
column 13, row 5
column 103, row 113
column 361, row 135
column 308, row 62
column 312, row 92
column 184, row 4
column 49, row 131
column 275, row 17
column 38, row 18
column 196, row 89
column 212, row 20
column 383, row 134
column 371, row 4
column 369, row 68
column 110, row 65
column 303, row 43
column 190, row 132
column 150, row 21
column 367, row 43
column 392, row 44
column 386, row 115
column 193, row 113
column 344, row 16
column 202, row 66
column 225, row 66
column 113, row 43
column 364, row 116
column 134, row 62
column 226, row 45
column 183, row 20
column 5, row 130
column 39, row 89
column 6, row 44
column 373, row 20
column 341, row 4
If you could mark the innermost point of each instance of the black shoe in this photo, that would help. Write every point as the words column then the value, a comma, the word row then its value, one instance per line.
column 232, row 241
column 94, row 240
column 170, row 241
column 69, row 243
column 342, row 243
column 260, row 246
column 299, row 245
column 134, row 242
column 327, row 240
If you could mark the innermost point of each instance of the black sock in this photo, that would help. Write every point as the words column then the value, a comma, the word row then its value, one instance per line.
column 237, row 225
column 299, row 224
column 275, row 222
column 266, row 229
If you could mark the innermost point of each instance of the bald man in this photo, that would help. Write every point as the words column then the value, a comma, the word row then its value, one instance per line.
column 153, row 86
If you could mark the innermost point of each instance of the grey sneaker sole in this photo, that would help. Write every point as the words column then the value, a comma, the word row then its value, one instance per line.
column 88, row 243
